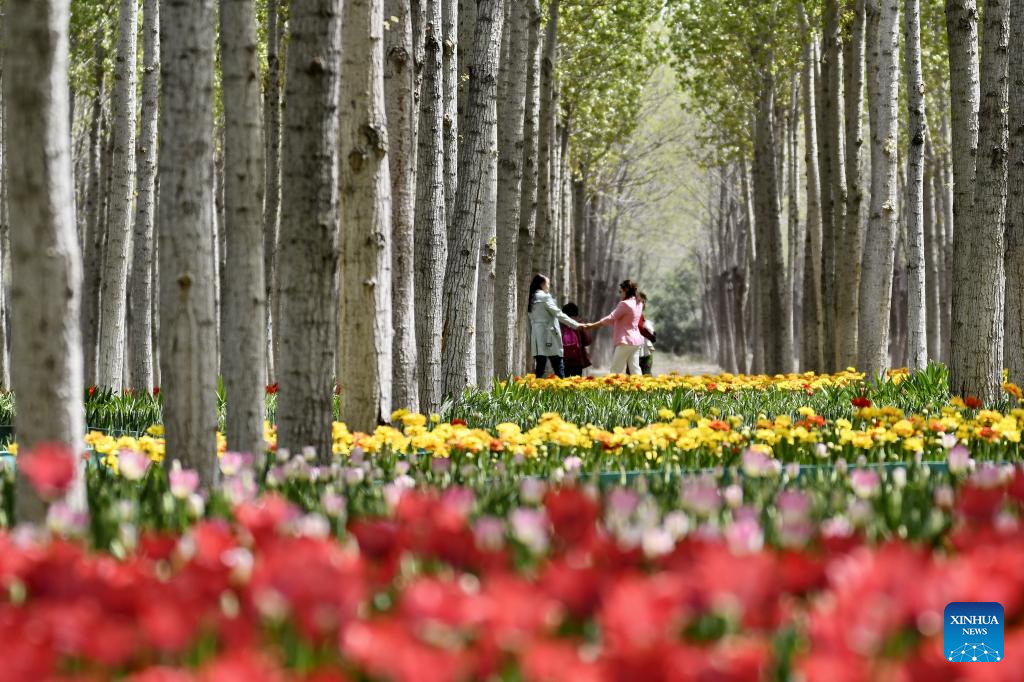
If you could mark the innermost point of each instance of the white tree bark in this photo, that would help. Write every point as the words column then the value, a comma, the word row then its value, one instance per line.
column 141, row 285
column 5, row 251
column 272, row 175
column 92, row 245
column 47, row 271
column 932, row 245
column 473, row 203
column 778, row 354
column 543, row 243
column 450, row 21
column 883, row 217
column 365, row 333
column 431, row 241
column 979, row 132
column 188, row 355
column 402, row 117
column 114, row 286
column 308, row 257
column 811, row 333
column 244, row 343
column 917, row 341
column 851, row 229
column 832, row 145
column 511, row 116
column 528, row 193
column 1013, row 341
column 486, row 218
column 464, row 53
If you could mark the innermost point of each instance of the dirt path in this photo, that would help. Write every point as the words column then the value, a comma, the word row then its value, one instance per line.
column 666, row 364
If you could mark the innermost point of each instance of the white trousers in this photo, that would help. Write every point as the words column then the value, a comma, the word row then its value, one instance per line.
column 626, row 355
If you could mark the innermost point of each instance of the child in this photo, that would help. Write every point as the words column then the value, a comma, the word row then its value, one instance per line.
column 574, row 344
column 647, row 330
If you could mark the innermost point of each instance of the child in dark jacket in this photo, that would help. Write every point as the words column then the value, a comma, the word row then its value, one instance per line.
column 574, row 344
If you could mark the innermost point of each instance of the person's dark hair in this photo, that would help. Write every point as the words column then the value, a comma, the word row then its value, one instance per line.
column 641, row 296
column 535, row 284
column 571, row 309
column 630, row 287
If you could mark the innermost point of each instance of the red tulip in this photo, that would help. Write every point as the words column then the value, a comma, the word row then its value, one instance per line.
column 50, row 468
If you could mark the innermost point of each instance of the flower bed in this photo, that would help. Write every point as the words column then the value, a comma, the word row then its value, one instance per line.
column 572, row 587
column 817, row 537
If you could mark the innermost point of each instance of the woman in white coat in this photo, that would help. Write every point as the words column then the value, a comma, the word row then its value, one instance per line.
column 545, row 330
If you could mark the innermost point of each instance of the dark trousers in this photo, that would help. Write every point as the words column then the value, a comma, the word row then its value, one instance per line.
column 572, row 370
column 557, row 366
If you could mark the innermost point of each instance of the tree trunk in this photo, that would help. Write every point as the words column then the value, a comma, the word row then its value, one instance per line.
column 931, row 256
column 5, row 251
column 770, row 262
column 114, row 281
column 365, row 332
column 916, row 268
column 244, row 297
column 833, row 115
column 850, row 230
column 450, row 90
column 92, row 246
column 474, row 203
column 308, row 257
column 528, row 194
column 400, row 103
column 576, row 199
column 752, row 273
column 811, row 334
column 946, row 250
column 543, row 243
column 219, row 235
column 47, row 271
column 142, row 244
column 272, row 191
column 486, row 217
column 511, row 144
column 795, row 246
column 431, row 241
column 883, row 219
column 1013, row 341
column 188, row 354
column 464, row 51
column 976, row 344
column 565, row 219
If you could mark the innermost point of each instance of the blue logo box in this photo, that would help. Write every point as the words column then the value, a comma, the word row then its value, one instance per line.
column 973, row 632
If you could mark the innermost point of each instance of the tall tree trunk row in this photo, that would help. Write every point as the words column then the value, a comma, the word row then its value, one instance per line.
column 511, row 143
column 917, row 317
column 141, row 286
column 308, row 256
column 883, row 217
column 244, row 295
column 475, row 202
column 186, row 217
column 400, row 76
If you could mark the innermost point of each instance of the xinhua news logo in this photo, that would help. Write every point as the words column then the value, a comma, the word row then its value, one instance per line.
column 973, row 632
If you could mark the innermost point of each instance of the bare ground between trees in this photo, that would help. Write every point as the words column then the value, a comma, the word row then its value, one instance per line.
column 665, row 363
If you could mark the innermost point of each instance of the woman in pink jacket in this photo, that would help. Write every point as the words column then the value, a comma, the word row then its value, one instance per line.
column 625, row 322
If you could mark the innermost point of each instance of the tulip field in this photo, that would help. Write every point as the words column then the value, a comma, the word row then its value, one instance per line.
column 806, row 527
